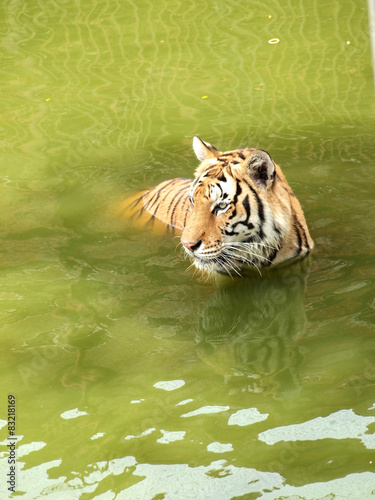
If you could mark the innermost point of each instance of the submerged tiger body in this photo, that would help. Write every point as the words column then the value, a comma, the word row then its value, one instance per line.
column 238, row 212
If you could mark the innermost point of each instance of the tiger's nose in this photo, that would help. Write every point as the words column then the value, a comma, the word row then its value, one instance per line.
column 191, row 245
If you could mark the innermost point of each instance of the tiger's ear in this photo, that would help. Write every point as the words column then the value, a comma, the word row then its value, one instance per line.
column 204, row 150
column 261, row 168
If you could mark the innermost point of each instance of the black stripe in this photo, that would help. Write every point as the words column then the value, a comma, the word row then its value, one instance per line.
column 171, row 185
column 276, row 229
column 233, row 214
column 246, row 205
column 258, row 200
column 158, row 206
column 135, row 202
column 272, row 256
column 235, row 200
column 186, row 211
column 238, row 192
column 251, row 239
column 156, row 196
column 233, row 232
column 175, row 206
column 302, row 233
column 260, row 205
column 151, row 221
column 174, row 197
column 299, row 239
column 260, row 210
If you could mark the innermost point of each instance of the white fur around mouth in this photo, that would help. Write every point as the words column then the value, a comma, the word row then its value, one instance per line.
column 189, row 252
column 221, row 262
column 203, row 263
column 206, row 257
column 222, row 265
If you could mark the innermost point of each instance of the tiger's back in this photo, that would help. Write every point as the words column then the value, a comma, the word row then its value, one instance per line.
column 169, row 202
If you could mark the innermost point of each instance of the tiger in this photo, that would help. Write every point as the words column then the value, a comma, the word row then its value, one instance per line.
column 239, row 211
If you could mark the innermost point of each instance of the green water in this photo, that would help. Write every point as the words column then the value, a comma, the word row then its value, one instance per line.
column 134, row 378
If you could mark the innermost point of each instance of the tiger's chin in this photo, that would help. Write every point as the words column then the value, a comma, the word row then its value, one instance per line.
column 228, row 262
column 204, row 264
column 221, row 265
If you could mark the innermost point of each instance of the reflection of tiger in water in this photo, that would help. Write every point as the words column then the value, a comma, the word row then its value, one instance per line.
column 251, row 331
column 238, row 212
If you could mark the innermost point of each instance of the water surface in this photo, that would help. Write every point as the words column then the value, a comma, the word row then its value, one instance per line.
column 137, row 379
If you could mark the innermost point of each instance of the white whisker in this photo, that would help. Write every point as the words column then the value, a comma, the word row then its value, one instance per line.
column 189, row 267
column 230, row 264
column 246, row 245
column 244, row 259
column 237, row 253
column 182, row 226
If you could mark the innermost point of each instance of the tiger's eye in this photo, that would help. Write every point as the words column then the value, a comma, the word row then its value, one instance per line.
column 222, row 205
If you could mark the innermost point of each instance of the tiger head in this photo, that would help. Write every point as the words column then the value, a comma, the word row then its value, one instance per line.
column 237, row 215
